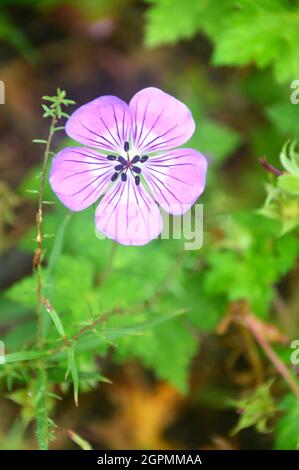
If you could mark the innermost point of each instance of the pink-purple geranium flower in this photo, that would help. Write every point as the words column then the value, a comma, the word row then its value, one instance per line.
column 133, row 163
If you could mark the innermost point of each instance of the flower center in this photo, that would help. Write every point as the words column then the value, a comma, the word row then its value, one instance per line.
column 126, row 164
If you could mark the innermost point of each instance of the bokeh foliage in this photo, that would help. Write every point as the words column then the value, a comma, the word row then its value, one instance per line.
column 156, row 303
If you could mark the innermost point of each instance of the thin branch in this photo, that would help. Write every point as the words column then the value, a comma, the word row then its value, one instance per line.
column 37, row 260
column 281, row 368
column 240, row 314
column 269, row 168
column 55, row 112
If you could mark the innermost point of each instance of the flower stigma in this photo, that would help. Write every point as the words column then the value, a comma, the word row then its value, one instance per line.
column 126, row 164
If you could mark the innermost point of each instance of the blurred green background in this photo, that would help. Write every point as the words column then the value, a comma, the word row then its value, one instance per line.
column 157, row 371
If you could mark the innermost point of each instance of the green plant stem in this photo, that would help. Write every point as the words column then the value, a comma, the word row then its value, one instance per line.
column 42, row 420
column 44, row 425
column 37, row 262
column 41, row 400
column 274, row 358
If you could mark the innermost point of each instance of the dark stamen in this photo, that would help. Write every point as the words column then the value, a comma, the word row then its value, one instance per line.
column 136, row 169
column 126, row 146
column 124, row 177
column 135, row 159
column 111, row 157
column 122, row 160
column 114, row 176
column 119, row 167
column 144, row 158
column 137, row 180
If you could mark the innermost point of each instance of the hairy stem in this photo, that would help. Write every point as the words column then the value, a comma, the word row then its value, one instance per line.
column 37, row 261
column 44, row 425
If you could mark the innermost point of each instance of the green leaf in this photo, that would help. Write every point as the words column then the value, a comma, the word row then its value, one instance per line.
column 12, row 34
column 24, row 356
column 155, row 348
column 56, row 321
column 91, row 341
column 44, row 435
column 82, row 443
column 290, row 158
column 70, row 288
column 53, row 99
column 73, row 371
column 32, row 191
column 53, row 259
column 235, row 269
column 289, row 183
column 284, row 116
column 216, row 140
column 58, row 244
column 256, row 409
column 32, row 182
column 267, row 31
column 11, row 310
column 23, row 292
column 287, row 429
column 169, row 21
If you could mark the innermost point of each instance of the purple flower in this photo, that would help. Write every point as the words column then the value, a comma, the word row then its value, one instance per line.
column 138, row 164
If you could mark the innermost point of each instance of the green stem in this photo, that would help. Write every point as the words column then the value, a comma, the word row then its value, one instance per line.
column 37, row 262
column 42, row 420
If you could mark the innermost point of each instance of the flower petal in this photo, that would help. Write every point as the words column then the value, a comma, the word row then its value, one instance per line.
column 176, row 179
column 128, row 214
column 79, row 176
column 102, row 123
column 159, row 121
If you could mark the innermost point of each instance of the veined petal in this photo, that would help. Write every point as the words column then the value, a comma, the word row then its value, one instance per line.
column 176, row 179
column 102, row 123
column 128, row 214
column 159, row 121
column 79, row 176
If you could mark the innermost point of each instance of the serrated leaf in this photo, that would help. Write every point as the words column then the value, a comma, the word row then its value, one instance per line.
column 256, row 409
column 169, row 21
column 267, row 30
